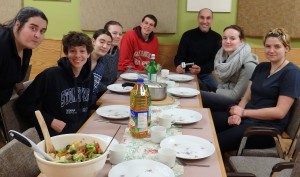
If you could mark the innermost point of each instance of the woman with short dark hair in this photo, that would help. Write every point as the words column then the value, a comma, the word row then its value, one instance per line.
column 62, row 93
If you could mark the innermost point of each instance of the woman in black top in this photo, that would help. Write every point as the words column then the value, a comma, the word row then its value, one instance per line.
column 17, row 39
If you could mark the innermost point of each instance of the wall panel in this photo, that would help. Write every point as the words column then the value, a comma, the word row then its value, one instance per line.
column 9, row 9
column 95, row 13
column 258, row 16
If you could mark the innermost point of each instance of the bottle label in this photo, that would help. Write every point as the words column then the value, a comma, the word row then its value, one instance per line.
column 153, row 77
column 140, row 119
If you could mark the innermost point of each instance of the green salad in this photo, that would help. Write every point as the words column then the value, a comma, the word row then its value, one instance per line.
column 77, row 152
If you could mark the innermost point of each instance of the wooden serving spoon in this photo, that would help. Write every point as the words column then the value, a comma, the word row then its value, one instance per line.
column 49, row 145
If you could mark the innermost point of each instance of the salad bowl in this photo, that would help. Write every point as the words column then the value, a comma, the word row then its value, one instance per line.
column 90, row 167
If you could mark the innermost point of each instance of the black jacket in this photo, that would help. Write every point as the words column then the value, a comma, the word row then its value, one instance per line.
column 11, row 71
column 58, row 94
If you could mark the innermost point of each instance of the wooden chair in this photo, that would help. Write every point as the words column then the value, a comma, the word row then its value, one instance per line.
column 11, row 120
column 289, row 136
column 17, row 160
column 28, row 73
column 233, row 174
column 268, row 166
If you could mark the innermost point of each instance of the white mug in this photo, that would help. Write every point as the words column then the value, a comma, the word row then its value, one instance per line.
column 171, row 84
column 167, row 156
column 164, row 73
column 117, row 153
column 158, row 133
column 165, row 120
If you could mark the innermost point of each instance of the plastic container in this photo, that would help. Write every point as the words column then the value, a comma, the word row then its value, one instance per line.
column 140, row 108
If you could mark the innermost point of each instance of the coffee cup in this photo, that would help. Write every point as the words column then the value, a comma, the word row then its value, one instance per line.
column 117, row 153
column 171, row 84
column 164, row 73
column 167, row 156
column 158, row 133
column 165, row 120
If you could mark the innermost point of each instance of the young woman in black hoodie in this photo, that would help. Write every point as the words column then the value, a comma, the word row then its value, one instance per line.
column 62, row 93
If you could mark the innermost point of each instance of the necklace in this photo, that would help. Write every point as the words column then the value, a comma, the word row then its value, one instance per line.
column 277, row 69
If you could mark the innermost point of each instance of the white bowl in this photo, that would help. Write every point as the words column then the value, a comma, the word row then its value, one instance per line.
column 88, row 168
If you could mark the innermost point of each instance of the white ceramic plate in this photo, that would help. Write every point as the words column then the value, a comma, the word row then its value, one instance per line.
column 142, row 168
column 183, row 91
column 114, row 111
column 180, row 77
column 131, row 76
column 189, row 147
column 106, row 138
column 182, row 116
column 119, row 89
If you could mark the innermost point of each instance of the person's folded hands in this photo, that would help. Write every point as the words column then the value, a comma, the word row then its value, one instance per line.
column 234, row 120
column 236, row 110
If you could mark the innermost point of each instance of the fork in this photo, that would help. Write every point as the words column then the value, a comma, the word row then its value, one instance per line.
column 190, row 164
column 181, row 126
column 112, row 122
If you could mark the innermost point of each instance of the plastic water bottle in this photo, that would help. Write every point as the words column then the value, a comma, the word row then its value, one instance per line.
column 152, row 69
column 139, row 110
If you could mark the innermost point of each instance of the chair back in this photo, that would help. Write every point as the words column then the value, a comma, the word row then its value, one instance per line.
column 11, row 119
column 17, row 160
column 294, row 121
column 27, row 76
column 296, row 158
column 296, row 169
column 293, row 129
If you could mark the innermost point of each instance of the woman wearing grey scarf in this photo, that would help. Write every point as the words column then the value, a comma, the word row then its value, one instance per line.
column 234, row 64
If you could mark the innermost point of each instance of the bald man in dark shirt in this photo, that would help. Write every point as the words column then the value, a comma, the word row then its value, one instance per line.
column 200, row 46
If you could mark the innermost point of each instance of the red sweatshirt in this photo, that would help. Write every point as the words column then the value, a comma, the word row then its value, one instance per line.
column 135, row 51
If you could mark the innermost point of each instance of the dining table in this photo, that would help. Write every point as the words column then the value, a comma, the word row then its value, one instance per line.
column 209, row 166
column 110, row 97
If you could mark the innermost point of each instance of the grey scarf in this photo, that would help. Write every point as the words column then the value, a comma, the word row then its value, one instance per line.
column 226, row 66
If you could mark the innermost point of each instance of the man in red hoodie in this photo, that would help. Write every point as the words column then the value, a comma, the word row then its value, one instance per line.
column 138, row 44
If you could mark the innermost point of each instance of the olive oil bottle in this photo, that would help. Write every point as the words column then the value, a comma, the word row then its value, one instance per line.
column 139, row 110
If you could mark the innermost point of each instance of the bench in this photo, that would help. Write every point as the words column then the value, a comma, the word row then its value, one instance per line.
column 49, row 51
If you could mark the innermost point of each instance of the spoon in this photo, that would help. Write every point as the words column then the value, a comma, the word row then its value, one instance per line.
column 111, row 140
column 49, row 145
column 23, row 139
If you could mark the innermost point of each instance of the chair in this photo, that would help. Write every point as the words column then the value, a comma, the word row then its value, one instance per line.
column 27, row 76
column 11, row 120
column 17, row 160
column 292, row 131
column 232, row 174
column 267, row 166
